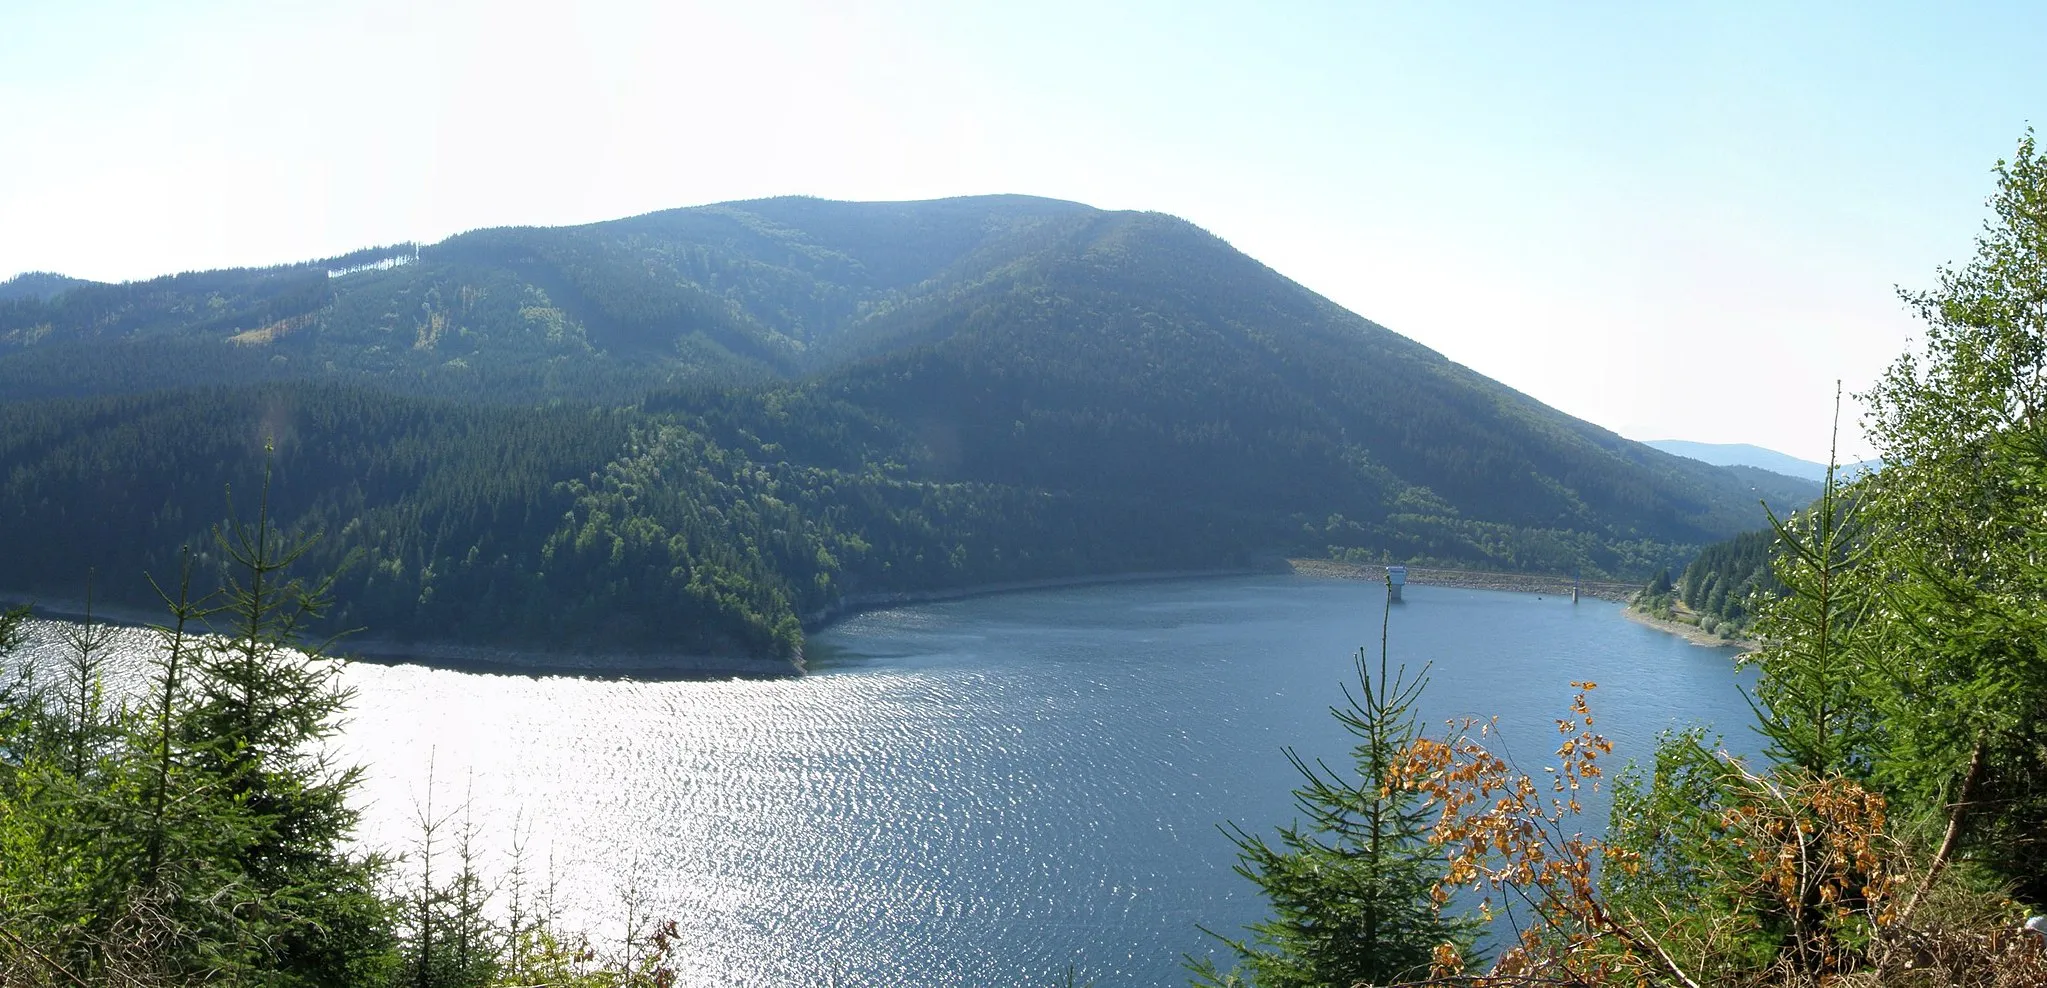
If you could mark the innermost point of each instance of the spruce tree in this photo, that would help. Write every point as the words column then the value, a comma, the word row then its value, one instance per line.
column 267, row 702
column 1350, row 884
column 1812, row 700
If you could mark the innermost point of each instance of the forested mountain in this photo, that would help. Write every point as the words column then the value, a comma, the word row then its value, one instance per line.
column 692, row 429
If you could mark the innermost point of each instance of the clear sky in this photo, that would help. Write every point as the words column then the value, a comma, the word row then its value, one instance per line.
column 1675, row 220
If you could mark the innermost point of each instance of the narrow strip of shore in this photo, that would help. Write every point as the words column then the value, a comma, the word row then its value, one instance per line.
column 1542, row 583
column 495, row 659
column 852, row 604
column 1619, row 593
column 655, row 665
column 1689, row 632
column 505, row 660
column 586, row 665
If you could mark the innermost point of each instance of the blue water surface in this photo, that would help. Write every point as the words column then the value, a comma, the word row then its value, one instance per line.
column 990, row 791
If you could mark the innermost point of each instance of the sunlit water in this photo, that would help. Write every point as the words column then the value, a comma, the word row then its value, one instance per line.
column 984, row 792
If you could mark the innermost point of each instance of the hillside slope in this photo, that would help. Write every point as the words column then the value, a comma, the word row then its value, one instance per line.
column 760, row 408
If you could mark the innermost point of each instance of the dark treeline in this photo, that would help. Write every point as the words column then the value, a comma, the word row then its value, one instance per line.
column 557, row 526
column 1721, row 587
column 1727, row 577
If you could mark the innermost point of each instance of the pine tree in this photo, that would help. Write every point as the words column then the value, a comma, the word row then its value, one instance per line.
column 266, row 704
column 1350, row 885
column 447, row 936
column 87, row 727
column 1812, row 697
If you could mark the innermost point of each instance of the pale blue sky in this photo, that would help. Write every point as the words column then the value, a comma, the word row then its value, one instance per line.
column 1675, row 220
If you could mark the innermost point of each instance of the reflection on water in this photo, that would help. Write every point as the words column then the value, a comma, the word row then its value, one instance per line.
column 987, row 791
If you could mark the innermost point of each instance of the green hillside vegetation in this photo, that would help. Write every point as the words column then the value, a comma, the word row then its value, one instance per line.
column 1720, row 588
column 699, row 429
column 199, row 830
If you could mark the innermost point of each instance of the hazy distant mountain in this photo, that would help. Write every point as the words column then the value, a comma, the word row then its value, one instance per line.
column 1742, row 454
column 696, row 426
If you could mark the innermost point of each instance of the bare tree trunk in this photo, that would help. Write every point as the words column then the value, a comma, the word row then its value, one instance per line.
column 1958, row 813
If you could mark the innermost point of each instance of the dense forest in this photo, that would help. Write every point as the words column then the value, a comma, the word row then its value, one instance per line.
column 1721, row 587
column 699, row 430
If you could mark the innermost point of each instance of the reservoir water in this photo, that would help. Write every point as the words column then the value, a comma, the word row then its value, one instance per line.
column 991, row 791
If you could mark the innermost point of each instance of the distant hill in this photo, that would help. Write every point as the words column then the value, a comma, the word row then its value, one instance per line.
column 36, row 284
column 701, row 428
column 1743, row 454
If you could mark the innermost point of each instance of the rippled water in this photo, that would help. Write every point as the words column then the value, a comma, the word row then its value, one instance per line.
column 987, row 791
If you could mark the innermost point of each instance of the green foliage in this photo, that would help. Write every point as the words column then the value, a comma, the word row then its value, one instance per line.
column 1812, row 698
column 1350, row 884
column 1906, row 653
column 1902, row 690
column 1963, row 514
column 447, row 935
column 201, row 833
column 1727, row 578
column 265, row 704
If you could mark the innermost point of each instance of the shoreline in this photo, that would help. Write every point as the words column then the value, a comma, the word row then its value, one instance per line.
column 457, row 657
column 853, row 604
column 503, row 661
column 511, row 661
column 1429, row 576
column 49, row 608
column 1689, row 632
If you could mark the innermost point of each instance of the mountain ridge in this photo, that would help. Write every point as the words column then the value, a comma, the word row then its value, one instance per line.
column 790, row 401
column 1758, row 457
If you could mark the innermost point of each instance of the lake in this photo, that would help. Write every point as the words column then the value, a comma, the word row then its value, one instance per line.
column 989, row 791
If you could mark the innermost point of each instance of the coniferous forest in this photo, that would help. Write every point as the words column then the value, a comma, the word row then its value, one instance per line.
column 699, row 431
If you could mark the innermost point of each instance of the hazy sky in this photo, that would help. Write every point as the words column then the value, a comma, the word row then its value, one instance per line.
column 1675, row 220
